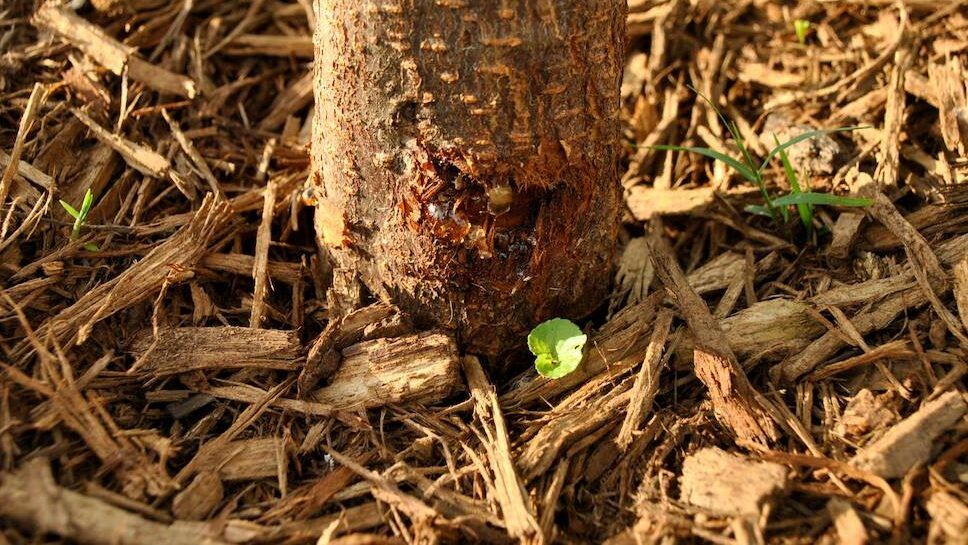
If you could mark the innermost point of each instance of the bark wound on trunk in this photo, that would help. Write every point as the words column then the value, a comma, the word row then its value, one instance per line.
column 465, row 156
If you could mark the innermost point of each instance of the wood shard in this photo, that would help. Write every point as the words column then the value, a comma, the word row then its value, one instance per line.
column 108, row 52
column 735, row 402
column 199, row 498
column 511, row 494
column 912, row 440
column 32, row 498
column 730, row 484
column 243, row 460
column 646, row 203
column 416, row 368
column 850, row 528
column 949, row 517
column 185, row 349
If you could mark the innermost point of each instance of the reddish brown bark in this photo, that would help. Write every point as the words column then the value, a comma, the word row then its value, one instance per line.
column 465, row 154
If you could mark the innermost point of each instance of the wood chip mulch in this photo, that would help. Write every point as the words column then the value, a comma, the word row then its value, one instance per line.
column 171, row 373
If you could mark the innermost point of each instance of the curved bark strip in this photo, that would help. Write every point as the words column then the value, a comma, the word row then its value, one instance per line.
column 465, row 156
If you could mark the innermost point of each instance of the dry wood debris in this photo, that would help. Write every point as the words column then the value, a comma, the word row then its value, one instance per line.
column 188, row 380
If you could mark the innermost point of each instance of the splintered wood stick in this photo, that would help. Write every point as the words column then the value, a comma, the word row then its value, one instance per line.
column 31, row 498
column 260, row 271
column 511, row 494
column 734, row 399
column 647, row 381
column 108, row 52
column 415, row 368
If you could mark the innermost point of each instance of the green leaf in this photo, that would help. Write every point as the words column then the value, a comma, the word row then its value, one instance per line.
column 800, row 138
column 823, row 199
column 70, row 209
column 91, row 247
column 86, row 205
column 801, row 26
column 744, row 170
column 557, row 345
column 805, row 210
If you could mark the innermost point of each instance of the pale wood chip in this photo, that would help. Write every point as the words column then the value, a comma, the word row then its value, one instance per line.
column 511, row 495
column 646, row 381
column 260, row 271
column 185, row 349
column 730, row 484
column 243, row 460
column 415, row 368
column 850, row 527
column 108, row 52
column 199, row 498
column 911, row 441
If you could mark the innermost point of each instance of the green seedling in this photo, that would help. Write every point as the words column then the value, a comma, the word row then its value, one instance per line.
column 774, row 207
column 801, row 26
column 80, row 216
column 557, row 346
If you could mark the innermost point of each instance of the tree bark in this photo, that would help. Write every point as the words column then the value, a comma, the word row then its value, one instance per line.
column 465, row 157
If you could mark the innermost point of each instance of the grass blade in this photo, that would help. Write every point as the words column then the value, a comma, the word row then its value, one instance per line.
column 713, row 154
column 86, row 205
column 805, row 210
column 758, row 210
column 70, row 209
column 822, row 199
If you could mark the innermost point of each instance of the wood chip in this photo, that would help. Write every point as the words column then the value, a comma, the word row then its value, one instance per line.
column 646, row 381
column 734, row 399
column 730, row 484
column 850, row 528
column 511, row 495
column 260, row 271
column 415, row 368
column 199, row 498
column 911, row 441
column 242, row 460
column 185, row 349
column 108, row 52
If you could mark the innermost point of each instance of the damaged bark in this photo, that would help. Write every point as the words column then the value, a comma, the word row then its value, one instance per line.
column 465, row 157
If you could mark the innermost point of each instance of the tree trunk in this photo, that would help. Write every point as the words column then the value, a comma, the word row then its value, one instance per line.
column 465, row 156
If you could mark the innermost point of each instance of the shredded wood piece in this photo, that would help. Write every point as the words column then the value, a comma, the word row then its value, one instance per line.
column 185, row 349
column 730, row 484
column 260, row 271
column 108, row 52
column 511, row 494
column 734, row 399
column 646, row 381
column 910, row 441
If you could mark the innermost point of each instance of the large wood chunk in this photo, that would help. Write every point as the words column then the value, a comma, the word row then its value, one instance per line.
column 730, row 484
column 417, row 368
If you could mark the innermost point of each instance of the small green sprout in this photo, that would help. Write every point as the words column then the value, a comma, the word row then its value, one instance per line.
column 557, row 346
column 773, row 207
column 80, row 217
column 801, row 26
